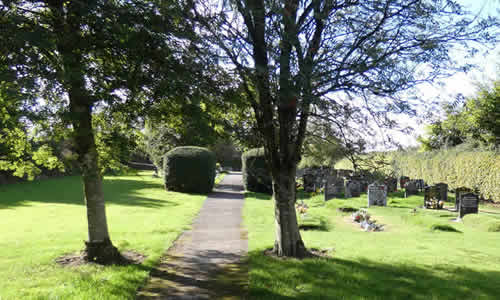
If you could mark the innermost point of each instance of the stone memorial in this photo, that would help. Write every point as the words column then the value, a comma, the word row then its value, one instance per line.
column 410, row 188
column 420, row 184
column 402, row 181
column 352, row 189
column 334, row 187
column 458, row 193
column 443, row 191
column 432, row 197
column 469, row 204
column 309, row 183
column 377, row 194
column 392, row 184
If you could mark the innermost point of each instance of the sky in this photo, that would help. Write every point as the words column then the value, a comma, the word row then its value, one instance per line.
column 488, row 69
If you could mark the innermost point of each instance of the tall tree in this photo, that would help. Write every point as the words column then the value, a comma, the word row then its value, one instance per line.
column 77, row 54
column 295, row 56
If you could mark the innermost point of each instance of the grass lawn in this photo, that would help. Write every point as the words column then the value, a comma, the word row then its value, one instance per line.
column 42, row 220
column 409, row 260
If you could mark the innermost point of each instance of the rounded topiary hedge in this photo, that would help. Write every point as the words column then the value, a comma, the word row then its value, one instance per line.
column 189, row 169
column 256, row 175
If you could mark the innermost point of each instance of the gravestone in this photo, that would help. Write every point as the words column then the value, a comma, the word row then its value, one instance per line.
column 420, row 184
column 352, row 189
column 432, row 197
column 377, row 194
column 309, row 180
column 403, row 180
column 392, row 184
column 334, row 187
column 443, row 191
column 458, row 193
column 410, row 188
column 469, row 204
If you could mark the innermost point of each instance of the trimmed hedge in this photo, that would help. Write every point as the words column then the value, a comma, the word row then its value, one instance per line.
column 256, row 175
column 477, row 170
column 189, row 169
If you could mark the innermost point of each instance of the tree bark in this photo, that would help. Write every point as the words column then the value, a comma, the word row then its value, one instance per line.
column 98, row 247
column 288, row 240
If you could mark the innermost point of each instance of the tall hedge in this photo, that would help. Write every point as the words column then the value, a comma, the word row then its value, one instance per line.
column 477, row 170
column 189, row 169
column 256, row 175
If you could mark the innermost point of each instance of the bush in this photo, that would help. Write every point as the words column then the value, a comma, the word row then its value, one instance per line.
column 494, row 227
column 256, row 175
column 189, row 169
column 444, row 227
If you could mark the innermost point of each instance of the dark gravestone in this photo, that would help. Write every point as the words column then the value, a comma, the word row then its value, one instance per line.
column 392, row 184
column 403, row 180
column 443, row 191
column 352, row 189
column 420, row 184
column 458, row 193
column 431, row 197
column 469, row 204
column 377, row 194
column 309, row 180
column 410, row 188
column 334, row 187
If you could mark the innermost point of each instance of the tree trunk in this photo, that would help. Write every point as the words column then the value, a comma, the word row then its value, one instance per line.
column 288, row 240
column 98, row 247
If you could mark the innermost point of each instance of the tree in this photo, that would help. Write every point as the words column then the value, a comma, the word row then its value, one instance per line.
column 475, row 120
column 293, row 57
column 76, row 55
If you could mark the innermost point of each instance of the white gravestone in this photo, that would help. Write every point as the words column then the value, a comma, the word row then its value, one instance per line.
column 377, row 194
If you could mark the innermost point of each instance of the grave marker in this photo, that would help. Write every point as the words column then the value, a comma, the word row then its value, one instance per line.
column 410, row 188
column 420, row 184
column 334, row 187
column 403, row 180
column 443, row 191
column 469, row 204
column 377, row 194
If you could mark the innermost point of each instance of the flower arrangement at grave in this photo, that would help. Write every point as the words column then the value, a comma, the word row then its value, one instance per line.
column 434, row 203
column 364, row 219
column 301, row 208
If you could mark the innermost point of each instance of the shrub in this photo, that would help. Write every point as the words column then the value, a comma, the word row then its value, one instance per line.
column 256, row 175
column 444, row 227
column 189, row 169
column 494, row 227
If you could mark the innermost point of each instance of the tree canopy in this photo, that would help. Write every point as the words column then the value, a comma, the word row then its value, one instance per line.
column 475, row 120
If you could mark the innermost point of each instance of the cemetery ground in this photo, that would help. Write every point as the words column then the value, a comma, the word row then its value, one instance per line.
column 43, row 220
column 421, row 254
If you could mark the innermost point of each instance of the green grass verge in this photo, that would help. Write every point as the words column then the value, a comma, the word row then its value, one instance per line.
column 420, row 255
column 42, row 220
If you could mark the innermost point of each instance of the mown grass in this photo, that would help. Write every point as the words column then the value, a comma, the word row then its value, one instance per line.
column 42, row 220
column 422, row 254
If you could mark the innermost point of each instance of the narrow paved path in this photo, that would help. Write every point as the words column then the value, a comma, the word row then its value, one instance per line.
column 206, row 262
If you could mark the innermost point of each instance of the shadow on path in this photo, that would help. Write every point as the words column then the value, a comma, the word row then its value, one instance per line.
column 208, row 261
